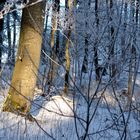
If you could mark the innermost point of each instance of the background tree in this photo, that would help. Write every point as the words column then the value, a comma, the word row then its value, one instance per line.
column 132, row 50
column 9, row 35
column 87, row 37
column 54, row 38
column 67, row 54
column 97, row 68
column 1, row 33
column 112, row 44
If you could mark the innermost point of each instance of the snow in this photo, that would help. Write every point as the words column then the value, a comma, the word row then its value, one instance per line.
column 65, row 117
column 59, row 117
column 58, row 105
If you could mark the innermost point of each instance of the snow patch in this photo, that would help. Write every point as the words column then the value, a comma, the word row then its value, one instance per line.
column 59, row 106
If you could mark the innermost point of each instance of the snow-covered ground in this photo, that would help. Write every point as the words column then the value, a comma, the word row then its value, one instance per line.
column 65, row 118
column 72, row 117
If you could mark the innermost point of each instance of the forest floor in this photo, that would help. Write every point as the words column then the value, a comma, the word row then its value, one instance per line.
column 73, row 118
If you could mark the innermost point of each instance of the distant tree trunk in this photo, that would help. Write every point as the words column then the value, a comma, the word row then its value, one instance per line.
column 132, row 53
column 14, row 36
column 75, row 3
column 85, row 61
column 67, row 54
column 64, row 32
column 45, row 41
column 53, row 66
column 132, row 67
column 123, row 42
column 54, row 24
column 97, row 70
column 137, row 11
column 44, row 82
column 8, row 21
column 1, row 29
column 130, row 76
column 47, row 15
column 24, row 77
column 1, row 41
column 58, row 32
column 112, row 49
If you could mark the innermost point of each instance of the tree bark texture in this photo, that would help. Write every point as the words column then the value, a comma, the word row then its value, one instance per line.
column 24, row 77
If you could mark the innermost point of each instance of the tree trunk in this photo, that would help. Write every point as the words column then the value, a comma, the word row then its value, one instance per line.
column 24, row 77
column 97, row 70
column 1, row 29
column 112, row 49
column 62, row 52
column 53, row 66
column 85, row 61
column 123, row 36
column 67, row 54
column 8, row 20
column 58, row 32
column 132, row 61
column 14, row 36
column 137, row 11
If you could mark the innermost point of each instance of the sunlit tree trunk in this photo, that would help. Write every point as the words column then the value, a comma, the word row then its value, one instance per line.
column 53, row 66
column 67, row 54
column 25, row 72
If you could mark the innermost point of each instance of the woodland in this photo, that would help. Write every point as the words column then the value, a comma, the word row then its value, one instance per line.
column 70, row 69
